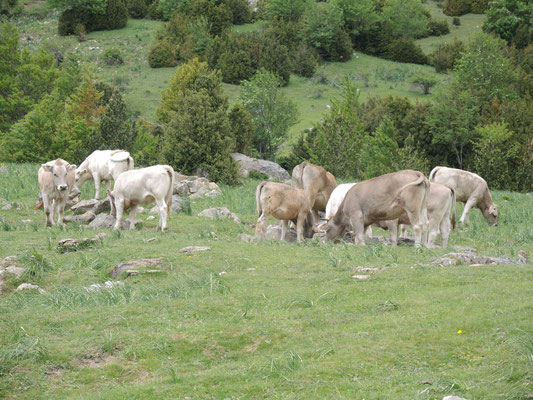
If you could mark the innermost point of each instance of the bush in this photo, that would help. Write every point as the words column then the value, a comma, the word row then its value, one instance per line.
column 237, row 56
column 438, row 28
column 405, row 50
column 154, row 12
column 424, row 82
column 69, row 21
column 287, row 10
column 113, row 57
column 240, row 9
column 114, row 17
column 137, row 8
column 456, row 21
column 242, row 128
column 145, row 150
column 163, row 54
column 456, row 7
column 305, row 60
column 8, row 7
column 446, row 55
column 275, row 58
column 479, row 6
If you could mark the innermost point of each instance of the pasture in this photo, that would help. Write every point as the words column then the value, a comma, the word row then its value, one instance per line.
column 263, row 320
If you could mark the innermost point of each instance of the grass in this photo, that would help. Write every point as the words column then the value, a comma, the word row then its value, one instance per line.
column 262, row 320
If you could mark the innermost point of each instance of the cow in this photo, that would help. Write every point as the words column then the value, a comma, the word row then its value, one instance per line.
column 441, row 202
column 317, row 184
column 143, row 186
column 469, row 188
column 285, row 203
column 56, row 180
column 103, row 166
column 382, row 198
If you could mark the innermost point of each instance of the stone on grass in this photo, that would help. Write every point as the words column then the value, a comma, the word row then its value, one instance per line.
column 65, row 245
column 181, row 188
column 135, row 265
column 179, row 204
column 150, row 218
column 246, row 238
column 96, row 206
column 361, row 277
column 472, row 258
column 83, row 218
column 453, row 398
column 29, row 286
column 367, row 269
column 106, row 285
column 9, row 260
column 106, row 221
column 273, row 232
column 17, row 271
column 220, row 213
column 269, row 168
column 194, row 249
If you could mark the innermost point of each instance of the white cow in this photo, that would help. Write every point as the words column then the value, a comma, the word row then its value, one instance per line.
column 469, row 188
column 103, row 166
column 336, row 198
column 143, row 186
column 56, row 180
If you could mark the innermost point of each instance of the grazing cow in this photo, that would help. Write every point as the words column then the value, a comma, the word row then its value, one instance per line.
column 470, row 189
column 441, row 202
column 143, row 186
column 383, row 198
column 285, row 203
column 317, row 184
column 103, row 166
column 56, row 180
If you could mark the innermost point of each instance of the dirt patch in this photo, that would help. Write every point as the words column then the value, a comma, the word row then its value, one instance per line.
column 253, row 347
column 94, row 360
column 53, row 372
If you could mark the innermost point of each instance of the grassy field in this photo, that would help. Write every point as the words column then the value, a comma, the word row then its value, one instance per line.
column 261, row 320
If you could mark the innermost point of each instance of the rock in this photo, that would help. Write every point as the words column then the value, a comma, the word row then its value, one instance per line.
column 273, row 232
column 367, row 269
column 97, row 206
column 179, row 204
column 181, row 188
column 28, row 286
column 117, row 270
column 198, row 184
column 140, row 209
column 320, row 236
column 219, row 212
column 83, row 218
column 106, row 221
column 471, row 258
column 154, row 210
column 26, row 221
column 71, row 202
column 106, row 285
column 151, row 240
column 6, row 205
column 132, row 272
column 361, row 277
column 9, row 260
column 77, row 244
column 194, row 249
column 453, row 398
column 3, row 169
column 246, row 238
column 150, row 218
column 463, row 248
column 269, row 168
column 17, row 271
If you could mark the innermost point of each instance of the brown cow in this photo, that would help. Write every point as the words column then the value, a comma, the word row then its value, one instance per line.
column 317, row 184
column 383, row 198
column 441, row 202
column 469, row 188
column 56, row 180
column 285, row 203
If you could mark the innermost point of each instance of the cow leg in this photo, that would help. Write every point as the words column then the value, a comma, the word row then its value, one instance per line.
column 162, row 205
column 61, row 209
column 133, row 212
column 48, row 211
column 358, row 228
column 300, row 226
column 107, row 186
column 260, row 226
column 53, row 211
column 393, row 231
column 368, row 231
column 445, row 227
column 119, row 208
column 284, row 228
column 469, row 204
column 404, row 231
column 96, row 186
column 433, row 233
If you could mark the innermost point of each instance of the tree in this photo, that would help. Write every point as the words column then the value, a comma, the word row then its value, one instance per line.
column 512, row 20
column 424, row 81
column 196, row 132
column 287, row 10
column 446, row 55
column 359, row 16
column 405, row 18
column 242, row 128
column 115, row 130
column 272, row 113
column 275, row 58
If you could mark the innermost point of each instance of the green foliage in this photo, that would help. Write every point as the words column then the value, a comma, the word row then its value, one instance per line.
column 272, row 113
column 322, row 28
column 240, row 10
column 8, row 7
column 406, row 51
column 196, row 133
column 275, row 58
column 360, row 17
column 424, row 82
column 167, row 8
column 446, row 55
column 137, row 8
column 406, row 18
column 456, row 7
column 145, row 149
column 479, row 6
column 284, row 32
column 512, row 20
column 438, row 28
column 155, row 12
column 89, row 6
column 163, row 54
column 305, row 60
column 456, row 21
column 92, row 18
column 287, row 10
column 220, row 19
column 242, row 128
column 113, row 57
column 239, row 56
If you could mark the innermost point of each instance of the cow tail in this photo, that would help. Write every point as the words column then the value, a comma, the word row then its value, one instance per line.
column 433, row 173
column 168, row 197
column 258, row 197
column 453, row 207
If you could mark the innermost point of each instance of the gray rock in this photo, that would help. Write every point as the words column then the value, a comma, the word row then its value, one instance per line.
column 471, row 258
column 83, row 218
column 65, row 245
column 107, row 285
column 273, row 232
column 17, row 271
column 198, row 184
column 367, row 269
column 106, row 221
column 463, row 248
column 194, row 249
column 179, row 204
column 6, row 205
column 220, row 213
column 9, row 260
column 29, row 286
column 361, row 277
column 453, row 398
column 150, row 218
column 269, row 168
column 3, row 169
column 181, row 188
column 135, row 265
column 246, row 238
column 97, row 206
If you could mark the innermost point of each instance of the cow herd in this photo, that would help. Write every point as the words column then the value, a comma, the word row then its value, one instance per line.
column 388, row 201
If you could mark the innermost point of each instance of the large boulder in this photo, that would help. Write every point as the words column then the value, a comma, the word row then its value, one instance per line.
column 269, row 168
column 83, row 218
column 273, row 232
column 106, row 221
column 219, row 213
column 96, row 206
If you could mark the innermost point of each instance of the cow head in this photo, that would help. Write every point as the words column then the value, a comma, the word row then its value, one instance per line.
column 60, row 174
column 491, row 215
column 81, row 176
column 334, row 230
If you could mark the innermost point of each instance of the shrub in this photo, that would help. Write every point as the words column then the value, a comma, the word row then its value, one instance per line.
column 237, row 56
column 446, row 55
column 137, row 8
column 114, row 17
column 69, row 20
column 113, row 57
column 284, row 32
column 456, row 7
column 438, row 28
column 8, row 7
column 145, row 150
column 242, row 128
column 456, row 21
column 287, row 10
column 405, row 50
column 240, row 9
column 305, row 60
column 424, row 82
column 405, row 18
column 506, row 18
column 163, row 54
column 275, row 58
column 220, row 19
column 154, row 11
column 479, row 6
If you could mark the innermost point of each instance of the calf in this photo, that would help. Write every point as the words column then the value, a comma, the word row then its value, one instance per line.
column 469, row 188
column 103, row 166
column 143, row 186
column 285, row 203
column 56, row 180
column 317, row 184
column 383, row 198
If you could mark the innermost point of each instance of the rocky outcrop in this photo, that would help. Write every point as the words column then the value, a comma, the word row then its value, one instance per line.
column 106, row 221
column 66, row 245
column 83, row 218
column 269, row 168
column 195, row 187
column 194, row 249
column 137, row 265
column 96, row 206
column 474, row 259
column 219, row 213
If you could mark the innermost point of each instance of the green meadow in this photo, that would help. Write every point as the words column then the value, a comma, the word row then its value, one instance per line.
column 265, row 320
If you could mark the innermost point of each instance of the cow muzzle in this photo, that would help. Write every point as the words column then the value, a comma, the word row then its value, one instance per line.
column 62, row 187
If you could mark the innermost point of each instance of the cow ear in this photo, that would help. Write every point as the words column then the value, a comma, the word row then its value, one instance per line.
column 71, row 167
column 46, row 167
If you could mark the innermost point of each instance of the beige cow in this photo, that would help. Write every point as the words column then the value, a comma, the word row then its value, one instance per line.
column 317, row 184
column 285, row 203
column 382, row 198
column 441, row 202
column 470, row 189
column 56, row 180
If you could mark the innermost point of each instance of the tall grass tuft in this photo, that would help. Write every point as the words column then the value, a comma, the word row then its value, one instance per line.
column 36, row 265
